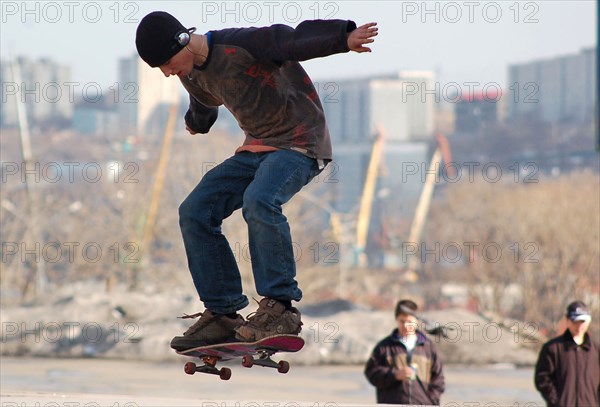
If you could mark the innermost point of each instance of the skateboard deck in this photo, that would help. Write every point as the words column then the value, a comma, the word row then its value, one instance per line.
column 252, row 353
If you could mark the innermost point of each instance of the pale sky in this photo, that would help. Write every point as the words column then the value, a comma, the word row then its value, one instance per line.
column 463, row 41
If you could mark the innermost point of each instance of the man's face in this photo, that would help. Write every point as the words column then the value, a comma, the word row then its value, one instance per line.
column 407, row 324
column 577, row 327
column 181, row 64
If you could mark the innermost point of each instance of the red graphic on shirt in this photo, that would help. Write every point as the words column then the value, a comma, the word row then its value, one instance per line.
column 299, row 137
column 229, row 51
column 257, row 71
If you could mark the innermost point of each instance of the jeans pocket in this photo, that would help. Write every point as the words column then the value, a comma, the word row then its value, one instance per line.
column 314, row 169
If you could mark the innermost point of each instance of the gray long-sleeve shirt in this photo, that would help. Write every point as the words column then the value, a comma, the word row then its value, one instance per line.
column 255, row 73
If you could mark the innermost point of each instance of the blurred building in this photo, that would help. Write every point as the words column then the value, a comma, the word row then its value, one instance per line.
column 92, row 120
column 445, row 118
column 403, row 104
column 98, row 117
column 145, row 96
column 43, row 86
column 399, row 102
column 472, row 112
column 400, row 177
column 554, row 90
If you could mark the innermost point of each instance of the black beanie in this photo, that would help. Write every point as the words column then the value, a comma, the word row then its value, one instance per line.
column 155, row 38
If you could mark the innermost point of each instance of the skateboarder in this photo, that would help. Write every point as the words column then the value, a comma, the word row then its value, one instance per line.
column 255, row 73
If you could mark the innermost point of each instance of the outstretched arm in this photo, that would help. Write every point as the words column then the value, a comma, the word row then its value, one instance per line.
column 361, row 36
column 310, row 39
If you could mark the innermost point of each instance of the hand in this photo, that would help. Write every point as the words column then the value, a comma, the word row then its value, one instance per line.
column 361, row 36
column 404, row 373
column 192, row 132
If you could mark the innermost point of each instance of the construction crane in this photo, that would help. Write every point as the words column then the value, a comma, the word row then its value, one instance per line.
column 149, row 220
column 33, row 216
column 441, row 154
column 367, row 196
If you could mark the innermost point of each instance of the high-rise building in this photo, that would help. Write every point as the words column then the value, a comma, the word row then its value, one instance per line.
column 96, row 120
column 145, row 96
column 554, row 90
column 402, row 103
column 475, row 111
column 403, row 106
column 43, row 86
column 419, row 100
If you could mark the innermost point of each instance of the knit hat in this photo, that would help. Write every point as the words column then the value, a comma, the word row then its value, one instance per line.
column 159, row 37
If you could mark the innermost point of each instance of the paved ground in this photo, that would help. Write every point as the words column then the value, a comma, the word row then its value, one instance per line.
column 93, row 382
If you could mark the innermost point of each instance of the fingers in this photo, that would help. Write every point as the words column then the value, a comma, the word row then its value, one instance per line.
column 367, row 25
column 368, row 30
column 363, row 35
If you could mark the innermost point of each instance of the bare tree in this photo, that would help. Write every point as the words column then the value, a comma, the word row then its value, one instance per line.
column 529, row 248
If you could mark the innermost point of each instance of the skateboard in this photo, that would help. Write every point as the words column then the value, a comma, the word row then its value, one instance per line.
column 252, row 353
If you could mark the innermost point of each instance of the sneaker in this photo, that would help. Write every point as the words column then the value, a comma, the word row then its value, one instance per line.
column 271, row 318
column 208, row 330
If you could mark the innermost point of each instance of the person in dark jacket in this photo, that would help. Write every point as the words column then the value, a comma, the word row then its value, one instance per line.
column 405, row 367
column 567, row 373
column 255, row 73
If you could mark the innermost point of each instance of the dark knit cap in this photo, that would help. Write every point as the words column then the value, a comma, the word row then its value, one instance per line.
column 156, row 38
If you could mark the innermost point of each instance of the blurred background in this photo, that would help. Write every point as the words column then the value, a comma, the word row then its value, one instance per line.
column 465, row 177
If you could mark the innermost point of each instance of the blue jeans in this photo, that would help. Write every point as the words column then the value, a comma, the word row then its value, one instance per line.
column 259, row 183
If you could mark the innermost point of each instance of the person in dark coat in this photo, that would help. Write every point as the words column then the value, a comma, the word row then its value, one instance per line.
column 567, row 373
column 405, row 367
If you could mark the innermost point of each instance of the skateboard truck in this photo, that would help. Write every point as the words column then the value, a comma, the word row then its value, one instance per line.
column 252, row 353
column 209, row 367
column 264, row 359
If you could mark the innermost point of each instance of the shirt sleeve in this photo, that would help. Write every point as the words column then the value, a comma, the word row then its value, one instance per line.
column 199, row 117
column 378, row 371
column 437, row 383
column 544, row 376
column 310, row 39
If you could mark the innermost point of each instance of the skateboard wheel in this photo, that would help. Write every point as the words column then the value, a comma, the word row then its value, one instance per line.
column 190, row 368
column 225, row 373
column 247, row 361
column 284, row 367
